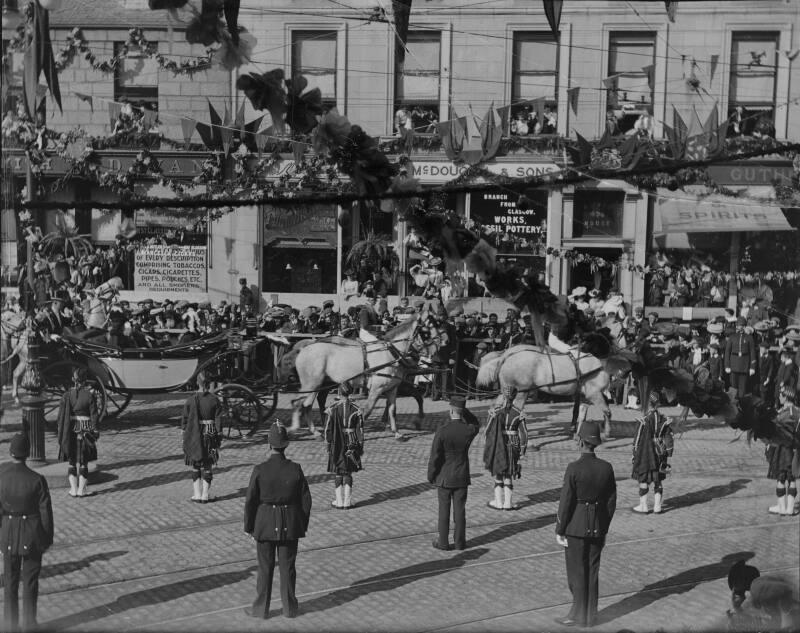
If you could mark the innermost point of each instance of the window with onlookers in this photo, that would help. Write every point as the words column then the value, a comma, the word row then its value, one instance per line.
column 534, row 84
column 12, row 79
column 751, row 98
column 598, row 213
column 314, row 57
column 136, row 78
column 417, row 82
column 630, row 95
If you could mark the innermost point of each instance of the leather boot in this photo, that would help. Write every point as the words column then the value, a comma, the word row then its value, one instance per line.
column 347, row 501
column 82, row 486
column 497, row 502
column 204, row 494
column 790, row 504
column 196, row 490
column 642, row 507
column 508, row 494
column 657, row 498
column 337, row 502
column 73, row 485
column 780, row 507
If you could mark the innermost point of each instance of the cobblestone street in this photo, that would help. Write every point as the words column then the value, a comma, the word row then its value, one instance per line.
column 138, row 555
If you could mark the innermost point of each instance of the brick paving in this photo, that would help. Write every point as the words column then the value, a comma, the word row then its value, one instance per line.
column 139, row 556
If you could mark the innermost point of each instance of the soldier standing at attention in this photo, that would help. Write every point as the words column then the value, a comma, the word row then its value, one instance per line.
column 277, row 509
column 741, row 358
column 202, row 434
column 588, row 501
column 448, row 468
column 26, row 532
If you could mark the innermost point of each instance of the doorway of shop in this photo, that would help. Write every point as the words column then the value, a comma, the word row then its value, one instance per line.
column 601, row 271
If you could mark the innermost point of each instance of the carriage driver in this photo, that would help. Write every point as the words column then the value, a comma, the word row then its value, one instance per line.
column 202, row 433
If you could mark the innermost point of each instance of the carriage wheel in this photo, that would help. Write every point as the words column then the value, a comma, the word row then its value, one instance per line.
column 241, row 409
column 57, row 379
column 116, row 403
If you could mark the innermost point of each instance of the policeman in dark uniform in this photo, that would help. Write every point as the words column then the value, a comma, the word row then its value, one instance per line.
column 328, row 321
column 588, row 501
column 277, row 509
column 448, row 468
column 26, row 532
column 741, row 357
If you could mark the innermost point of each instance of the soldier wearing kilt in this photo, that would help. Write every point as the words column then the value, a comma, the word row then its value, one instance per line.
column 784, row 460
column 77, row 432
column 506, row 442
column 344, row 433
column 653, row 446
column 202, row 435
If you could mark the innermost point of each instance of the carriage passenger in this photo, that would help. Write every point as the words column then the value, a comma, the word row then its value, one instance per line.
column 78, row 418
column 202, row 434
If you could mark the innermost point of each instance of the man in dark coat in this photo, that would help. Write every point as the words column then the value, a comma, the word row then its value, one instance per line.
column 448, row 468
column 767, row 366
column 26, row 532
column 588, row 501
column 741, row 357
column 786, row 373
column 277, row 509
column 201, row 423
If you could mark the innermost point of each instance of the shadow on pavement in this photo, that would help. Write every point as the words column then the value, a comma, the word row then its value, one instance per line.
column 511, row 529
column 142, row 462
column 544, row 496
column 160, row 480
column 59, row 569
column 395, row 493
column 152, row 596
column 702, row 496
column 391, row 580
column 679, row 583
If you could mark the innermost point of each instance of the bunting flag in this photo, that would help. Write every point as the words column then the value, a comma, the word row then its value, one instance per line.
column 572, row 97
column 650, row 71
column 491, row 130
column 552, row 9
column 679, row 124
column 504, row 114
column 87, row 98
column 631, row 151
column 261, row 142
column 238, row 122
column 671, row 6
column 402, row 13
column 472, row 153
column 713, row 69
column 187, row 127
column 226, row 132
column 676, row 143
column 230, row 9
column 149, row 118
column 705, row 140
column 248, row 133
column 611, row 83
column 453, row 134
column 39, row 58
column 114, row 112
column 210, row 134
column 582, row 155
column 298, row 151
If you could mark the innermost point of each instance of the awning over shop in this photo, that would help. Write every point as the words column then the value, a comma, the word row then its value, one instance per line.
column 715, row 214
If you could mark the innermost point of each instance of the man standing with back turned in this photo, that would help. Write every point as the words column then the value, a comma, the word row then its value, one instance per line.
column 26, row 532
column 588, row 501
column 448, row 468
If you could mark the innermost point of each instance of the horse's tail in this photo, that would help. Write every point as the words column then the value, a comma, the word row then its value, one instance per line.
column 489, row 369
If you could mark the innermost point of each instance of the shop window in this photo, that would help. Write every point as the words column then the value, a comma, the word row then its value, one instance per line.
column 417, row 81
column 299, row 252
column 628, row 54
column 598, row 213
column 602, row 278
column 314, row 57
column 534, row 74
column 751, row 99
column 136, row 78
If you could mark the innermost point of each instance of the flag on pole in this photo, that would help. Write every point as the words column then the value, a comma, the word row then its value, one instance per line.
column 552, row 9
column 87, row 98
column 38, row 58
column 672, row 6
column 572, row 97
column 491, row 130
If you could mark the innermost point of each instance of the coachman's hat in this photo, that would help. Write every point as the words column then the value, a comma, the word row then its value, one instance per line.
column 590, row 432
column 20, row 447
column 458, row 402
column 278, row 436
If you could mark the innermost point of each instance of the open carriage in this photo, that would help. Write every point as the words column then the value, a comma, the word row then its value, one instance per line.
column 242, row 379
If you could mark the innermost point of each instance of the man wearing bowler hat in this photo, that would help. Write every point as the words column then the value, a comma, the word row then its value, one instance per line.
column 277, row 509
column 587, row 504
column 448, row 468
column 26, row 532
column 741, row 358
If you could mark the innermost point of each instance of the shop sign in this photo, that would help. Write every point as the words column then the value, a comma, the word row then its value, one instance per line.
column 187, row 227
column 174, row 269
column 171, row 166
column 747, row 174
column 442, row 171
column 307, row 218
column 714, row 214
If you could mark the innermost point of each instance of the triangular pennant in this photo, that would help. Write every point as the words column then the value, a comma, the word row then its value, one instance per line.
column 714, row 132
column 114, row 112
column 206, row 133
column 453, row 134
column 679, row 124
column 611, row 83
column 402, row 13
column 650, row 72
column 504, row 114
column 552, row 9
column 187, row 127
column 676, row 143
column 672, row 6
column 261, row 142
column 491, row 130
column 87, row 98
column 572, row 97
column 39, row 57
column 606, row 141
column 713, row 69
column 697, row 139
column 248, row 133
column 226, row 132
column 582, row 155
column 216, row 122
column 238, row 122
